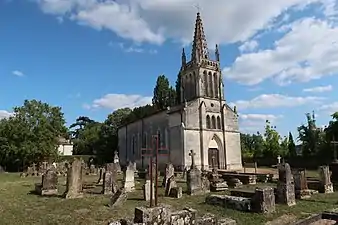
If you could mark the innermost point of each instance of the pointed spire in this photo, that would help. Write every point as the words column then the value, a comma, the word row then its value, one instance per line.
column 217, row 53
column 184, row 58
column 199, row 45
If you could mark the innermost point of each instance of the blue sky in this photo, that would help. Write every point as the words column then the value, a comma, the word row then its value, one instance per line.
column 90, row 57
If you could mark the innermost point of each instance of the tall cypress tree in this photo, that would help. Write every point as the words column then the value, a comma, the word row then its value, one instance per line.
column 292, row 146
column 161, row 98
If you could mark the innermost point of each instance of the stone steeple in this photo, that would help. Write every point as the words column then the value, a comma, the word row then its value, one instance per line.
column 199, row 45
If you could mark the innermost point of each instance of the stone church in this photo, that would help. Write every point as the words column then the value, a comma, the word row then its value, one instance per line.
column 203, row 122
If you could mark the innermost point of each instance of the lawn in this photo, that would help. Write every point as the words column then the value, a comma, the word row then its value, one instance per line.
column 19, row 206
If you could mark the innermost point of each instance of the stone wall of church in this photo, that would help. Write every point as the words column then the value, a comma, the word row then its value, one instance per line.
column 138, row 135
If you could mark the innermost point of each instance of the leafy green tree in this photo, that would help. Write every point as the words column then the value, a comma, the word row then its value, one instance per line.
column 161, row 98
column 309, row 135
column 284, row 147
column 32, row 133
column 272, row 138
column 291, row 146
column 252, row 145
column 80, row 123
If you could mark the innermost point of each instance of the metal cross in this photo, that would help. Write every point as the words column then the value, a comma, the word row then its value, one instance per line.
column 154, row 150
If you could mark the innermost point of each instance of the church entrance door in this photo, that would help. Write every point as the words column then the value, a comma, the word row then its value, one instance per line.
column 213, row 158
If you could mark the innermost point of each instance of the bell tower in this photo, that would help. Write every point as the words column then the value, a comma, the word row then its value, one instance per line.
column 201, row 76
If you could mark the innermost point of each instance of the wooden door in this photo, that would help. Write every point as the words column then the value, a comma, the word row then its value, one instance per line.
column 213, row 158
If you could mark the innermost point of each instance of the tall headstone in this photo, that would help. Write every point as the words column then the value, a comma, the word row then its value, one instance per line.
column 117, row 162
column 146, row 190
column 129, row 178
column 264, row 200
column 325, row 183
column 49, row 183
column 169, row 172
column 285, row 186
column 74, row 180
column 109, row 183
column 194, row 177
column 301, row 188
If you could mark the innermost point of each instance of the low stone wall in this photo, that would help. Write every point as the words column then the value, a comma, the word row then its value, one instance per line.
column 231, row 202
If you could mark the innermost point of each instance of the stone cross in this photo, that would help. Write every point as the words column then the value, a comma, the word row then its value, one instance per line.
column 45, row 165
column 192, row 154
column 279, row 158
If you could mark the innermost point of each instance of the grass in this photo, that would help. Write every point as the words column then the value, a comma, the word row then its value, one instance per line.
column 19, row 206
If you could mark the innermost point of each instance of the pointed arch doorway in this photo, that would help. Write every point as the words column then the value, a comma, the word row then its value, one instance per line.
column 213, row 153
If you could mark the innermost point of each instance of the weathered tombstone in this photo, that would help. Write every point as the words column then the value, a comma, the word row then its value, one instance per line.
column 92, row 170
column 301, row 188
column 151, row 216
column 146, row 190
column 325, row 183
column 49, row 184
column 216, row 183
column 74, row 180
column 194, row 177
column 34, row 170
column 129, row 178
column 170, row 185
column 285, row 186
column 176, row 192
column 100, row 180
column 118, row 198
column 108, row 186
column 169, row 172
column 264, row 200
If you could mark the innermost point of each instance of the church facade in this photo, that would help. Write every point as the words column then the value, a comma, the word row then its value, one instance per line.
column 203, row 122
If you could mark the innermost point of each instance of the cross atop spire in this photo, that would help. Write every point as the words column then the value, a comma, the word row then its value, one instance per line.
column 199, row 45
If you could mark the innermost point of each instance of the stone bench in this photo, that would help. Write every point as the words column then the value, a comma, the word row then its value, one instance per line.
column 244, row 178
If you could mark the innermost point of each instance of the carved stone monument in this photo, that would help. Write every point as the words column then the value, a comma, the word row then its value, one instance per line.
column 74, row 180
column 169, row 172
column 146, row 190
column 129, row 178
column 325, row 183
column 194, row 177
column 285, row 186
column 49, row 184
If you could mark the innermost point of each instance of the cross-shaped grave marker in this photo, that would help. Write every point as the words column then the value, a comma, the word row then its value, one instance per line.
column 279, row 158
column 192, row 154
column 155, row 150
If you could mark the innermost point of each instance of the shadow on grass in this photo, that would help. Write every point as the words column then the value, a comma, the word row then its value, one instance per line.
column 33, row 192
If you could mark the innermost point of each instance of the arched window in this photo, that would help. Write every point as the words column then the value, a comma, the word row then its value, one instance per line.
column 213, row 122
column 219, row 123
column 210, row 84
column 205, row 79
column 144, row 140
column 208, row 122
column 216, row 85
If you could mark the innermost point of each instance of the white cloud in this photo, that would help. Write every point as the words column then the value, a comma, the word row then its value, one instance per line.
column 330, row 108
column 5, row 114
column 132, row 49
column 319, row 89
column 154, row 21
column 251, row 123
column 248, row 46
column 259, row 117
column 274, row 101
column 116, row 101
column 18, row 73
column 308, row 51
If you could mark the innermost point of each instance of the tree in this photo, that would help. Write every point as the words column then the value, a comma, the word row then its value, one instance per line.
column 271, row 144
column 32, row 133
column 291, row 146
column 161, row 98
column 309, row 135
column 252, row 145
column 80, row 123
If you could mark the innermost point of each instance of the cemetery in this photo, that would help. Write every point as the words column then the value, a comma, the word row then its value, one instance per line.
column 69, row 193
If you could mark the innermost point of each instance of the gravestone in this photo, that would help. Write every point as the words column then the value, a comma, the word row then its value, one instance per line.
column 263, row 200
column 109, row 183
column 285, row 187
column 169, row 172
column 194, row 177
column 176, row 192
column 301, row 188
column 146, row 190
column 74, row 180
column 129, row 178
column 150, row 216
column 171, row 183
column 325, row 183
column 117, row 162
column 48, row 186
column 216, row 183
column 92, row 170
column 118, row 198
column 278, row 159
column 34, row 170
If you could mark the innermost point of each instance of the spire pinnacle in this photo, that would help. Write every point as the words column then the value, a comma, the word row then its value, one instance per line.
column 217, row 53
column 199, row 45
column 184, row 58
